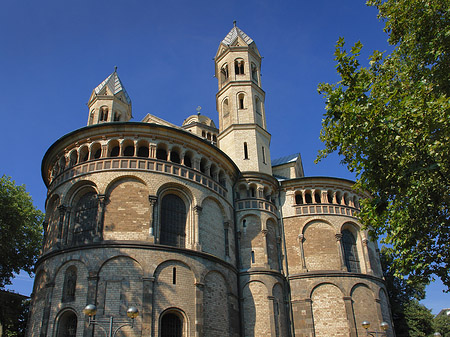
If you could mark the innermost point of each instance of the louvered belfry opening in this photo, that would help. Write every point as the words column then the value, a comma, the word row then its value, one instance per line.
column 173, row 221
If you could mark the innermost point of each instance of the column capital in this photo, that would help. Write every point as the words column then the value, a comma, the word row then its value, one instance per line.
column 152, row 199
column 301, row 237
column 62, row 208
column 102, row 198
column 365, row 242
column 338, row 236
column 198, row 209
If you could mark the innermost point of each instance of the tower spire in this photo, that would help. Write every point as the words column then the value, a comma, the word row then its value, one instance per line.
column 240, row 103
column 109, row 101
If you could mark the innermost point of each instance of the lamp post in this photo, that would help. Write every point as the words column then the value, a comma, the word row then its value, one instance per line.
column 90, row 310
column 384, row 326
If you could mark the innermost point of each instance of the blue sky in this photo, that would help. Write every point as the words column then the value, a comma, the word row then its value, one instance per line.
column 53, row 53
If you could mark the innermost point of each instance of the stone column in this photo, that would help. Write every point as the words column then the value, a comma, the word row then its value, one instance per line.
column 350, row 315
column 266, row 252
column 199, row 288
column 152, row 150
column 368, row 263
column 62, row 212
column 44, row 237
column 66, row 224
column 197, row 211
column 226, row 228
column 91, row 299
column 47, row 308
column 301, row 238
column 196, row 162
column 340, row 251
column 151, row 230
column 274, row 331
column 147, row 306
column 102, row 200
column 182, row 158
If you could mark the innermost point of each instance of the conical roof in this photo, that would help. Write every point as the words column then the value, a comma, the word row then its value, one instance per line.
column 114, row 85
column 233, row 35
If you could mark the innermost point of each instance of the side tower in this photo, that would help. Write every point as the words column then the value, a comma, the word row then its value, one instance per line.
column 109, row 102
column 240, row 103
column 243, row 136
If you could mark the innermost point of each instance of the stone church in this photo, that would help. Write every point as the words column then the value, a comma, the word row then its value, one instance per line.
column 198, row 227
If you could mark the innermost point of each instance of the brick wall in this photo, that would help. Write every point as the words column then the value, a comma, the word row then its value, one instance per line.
column 127, row 210
column 215, row 306
column 330, row 318
column 321, row 252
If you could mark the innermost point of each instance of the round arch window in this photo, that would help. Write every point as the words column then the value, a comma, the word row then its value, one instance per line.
column 67, row 325
column 171, row 325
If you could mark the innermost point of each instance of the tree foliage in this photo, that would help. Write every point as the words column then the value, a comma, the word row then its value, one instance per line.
column 20, row 230
column 390, row 122
column 401, row 297
column 441, row 324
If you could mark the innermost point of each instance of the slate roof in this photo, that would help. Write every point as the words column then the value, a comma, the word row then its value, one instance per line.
column 114, row 85
column 233, row 34
column 286, row 159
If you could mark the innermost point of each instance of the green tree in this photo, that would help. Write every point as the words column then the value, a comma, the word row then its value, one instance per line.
column 419, row 319
column 441, row 324
column 20, row 230
column 400, row 294
column 390, row 122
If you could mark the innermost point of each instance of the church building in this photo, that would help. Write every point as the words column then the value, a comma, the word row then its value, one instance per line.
column 198, row 227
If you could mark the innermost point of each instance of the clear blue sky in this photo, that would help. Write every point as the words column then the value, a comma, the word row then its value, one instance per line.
column 53, row 53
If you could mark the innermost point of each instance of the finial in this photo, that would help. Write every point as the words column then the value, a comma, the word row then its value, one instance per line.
column 115, row 69
column 198, row 110
column 234, row 23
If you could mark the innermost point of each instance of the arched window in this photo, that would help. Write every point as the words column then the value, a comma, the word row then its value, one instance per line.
column 203, row 164
column 175, row 156
column 317, row 198
column 67, row 325
column 254, row 73
column 173, row 221
column 298, row 199
column 103, row 114
column 143, row 151
column 70, row 284
column 188, row 159
column 62, row 164
column 84, row 154
column 161, row 154
column 96, row 151
column 350, row 251
column 73, row 158
column 239, row 67
column 85, row 218
column 226, row 108
column 308, row 198
column 330, row 197
column 241, row 101
column 128, row 151
column 224, row 73
column 245, row 151
column 116, row 117
column 171, row 325
column 114, row 148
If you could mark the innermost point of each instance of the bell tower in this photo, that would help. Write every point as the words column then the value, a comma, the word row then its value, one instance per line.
column 109, row 102
column 240, row 103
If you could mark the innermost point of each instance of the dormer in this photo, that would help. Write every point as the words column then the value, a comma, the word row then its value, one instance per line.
column 109, row 102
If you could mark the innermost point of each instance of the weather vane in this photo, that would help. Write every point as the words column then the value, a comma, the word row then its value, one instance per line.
column 198, row 110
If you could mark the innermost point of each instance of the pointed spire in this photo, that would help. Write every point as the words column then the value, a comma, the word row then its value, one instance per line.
column 114, row 85
column 233, row 35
